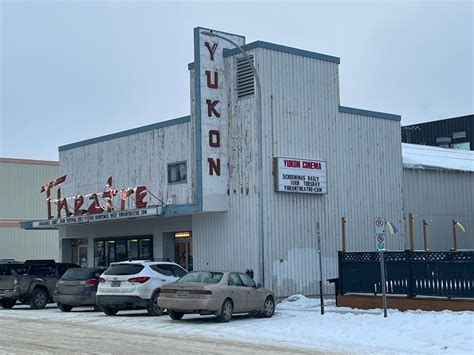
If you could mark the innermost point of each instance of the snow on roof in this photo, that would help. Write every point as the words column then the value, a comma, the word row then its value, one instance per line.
column 427, row 157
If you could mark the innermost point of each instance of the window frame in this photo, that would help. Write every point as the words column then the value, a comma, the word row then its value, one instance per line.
column 168, row 175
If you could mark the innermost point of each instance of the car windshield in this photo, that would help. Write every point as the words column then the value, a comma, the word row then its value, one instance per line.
column 124, row 269
column 78, row 274
column 205, row 277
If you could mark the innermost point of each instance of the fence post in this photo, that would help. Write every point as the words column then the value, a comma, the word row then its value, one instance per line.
column 410, row 227
column 425, row 236
column 455, row 241
column 341, row 273
column 343, row 227
column 409, row 274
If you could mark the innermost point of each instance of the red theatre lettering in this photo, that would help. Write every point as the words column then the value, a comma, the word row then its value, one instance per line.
column 312, row 165
column 62, row 204
column 214, row 166
column 210, row 84
column 211, row 108
column 95, row 206
column 47, row 187
column 214, row 138
column 108, row 194
column 292, row 163
column 78, row 202
column 140, row 195
column 212, row 50
column 123, row 196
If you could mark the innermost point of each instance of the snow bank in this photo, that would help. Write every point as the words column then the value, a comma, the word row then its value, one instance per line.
column 298, row 323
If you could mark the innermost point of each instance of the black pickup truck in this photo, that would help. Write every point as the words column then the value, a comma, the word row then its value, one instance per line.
column 31, row 282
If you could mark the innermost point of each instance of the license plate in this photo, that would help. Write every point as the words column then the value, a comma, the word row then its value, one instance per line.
column 115, row 284
column 182, row 293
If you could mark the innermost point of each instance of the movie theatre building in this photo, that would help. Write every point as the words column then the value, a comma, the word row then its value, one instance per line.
column 241, row 183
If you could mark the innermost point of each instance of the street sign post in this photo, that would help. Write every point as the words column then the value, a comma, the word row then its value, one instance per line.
column 379, row 225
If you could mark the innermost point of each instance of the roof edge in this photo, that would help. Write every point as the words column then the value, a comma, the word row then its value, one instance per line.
column 29, row 161
column 284, row 49
column 358, row 111
column 158, row 125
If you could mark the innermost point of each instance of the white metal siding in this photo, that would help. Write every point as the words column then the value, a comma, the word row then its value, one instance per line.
column 301, row 119
column 138, row 159
column 439, row 196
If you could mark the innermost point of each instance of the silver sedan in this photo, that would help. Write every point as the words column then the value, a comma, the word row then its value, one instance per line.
column 222, row 293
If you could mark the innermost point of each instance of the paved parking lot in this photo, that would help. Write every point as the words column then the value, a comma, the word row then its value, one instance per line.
column 25, row 331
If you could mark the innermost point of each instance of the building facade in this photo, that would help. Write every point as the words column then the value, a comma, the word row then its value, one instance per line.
column 438, row 188
column 20, row 200
column 456, row 132
column 248, row 181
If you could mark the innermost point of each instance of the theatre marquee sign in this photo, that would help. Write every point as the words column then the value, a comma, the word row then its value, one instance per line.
column 300, row 175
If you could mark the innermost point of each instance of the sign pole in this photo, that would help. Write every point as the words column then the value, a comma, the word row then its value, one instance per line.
column 382, row 277
column 320, row 268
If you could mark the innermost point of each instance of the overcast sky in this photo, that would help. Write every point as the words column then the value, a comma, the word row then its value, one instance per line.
column 73, row 70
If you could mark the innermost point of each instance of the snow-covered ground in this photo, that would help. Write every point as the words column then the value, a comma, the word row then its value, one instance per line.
column 298, row 323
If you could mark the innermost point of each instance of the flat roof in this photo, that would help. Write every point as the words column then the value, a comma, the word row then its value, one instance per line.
column 151, row 127
column 417, row 156
column 279, row 48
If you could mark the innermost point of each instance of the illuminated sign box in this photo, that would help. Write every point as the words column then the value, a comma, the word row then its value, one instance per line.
column 300, row 175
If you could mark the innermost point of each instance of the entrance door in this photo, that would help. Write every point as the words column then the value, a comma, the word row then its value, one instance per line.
column 184, row 254
column 79, row 252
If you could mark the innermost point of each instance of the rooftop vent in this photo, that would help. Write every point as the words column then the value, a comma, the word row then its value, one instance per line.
column 245, row 77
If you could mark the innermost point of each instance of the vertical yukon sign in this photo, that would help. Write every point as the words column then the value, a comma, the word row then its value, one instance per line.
column 211, row 118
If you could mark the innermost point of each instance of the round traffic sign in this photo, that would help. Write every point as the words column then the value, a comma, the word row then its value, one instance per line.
column 380, row 238
column 379, row 222
column 380, row 246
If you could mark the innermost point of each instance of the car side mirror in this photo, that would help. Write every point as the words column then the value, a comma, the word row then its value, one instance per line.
column 258, row 285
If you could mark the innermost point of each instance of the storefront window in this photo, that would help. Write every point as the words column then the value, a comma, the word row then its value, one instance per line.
column 133, row 248
column 119, row 249
column 145, row 249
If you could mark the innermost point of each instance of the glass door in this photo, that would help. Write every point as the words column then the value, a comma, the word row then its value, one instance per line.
column 184, row 254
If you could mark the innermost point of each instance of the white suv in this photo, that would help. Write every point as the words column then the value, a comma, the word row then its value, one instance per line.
column 135, row 285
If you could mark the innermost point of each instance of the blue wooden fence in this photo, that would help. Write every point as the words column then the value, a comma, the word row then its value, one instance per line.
column 446, row 274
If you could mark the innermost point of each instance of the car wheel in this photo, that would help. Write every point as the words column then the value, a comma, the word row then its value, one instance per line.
column 225, row 314
column 175, row 315
column 65, row 307
column 153, row 308
column 268, row 307
column 39, row 299
column 7, row 304
column 110, row 311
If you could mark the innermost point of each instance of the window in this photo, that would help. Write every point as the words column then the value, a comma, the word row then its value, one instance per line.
column 41, row 271
column 178, row 272
column 162, row 269
column 177, row 173
column 124, row 269
column 247, row 281
column 107, row 251
column 168, row 270
column 202, row 277
column 234, row 280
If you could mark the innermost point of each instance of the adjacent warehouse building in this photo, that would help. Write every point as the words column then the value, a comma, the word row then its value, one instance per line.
column 438, row 188
column 456, row 132
column 232, row 186
column 20, row 200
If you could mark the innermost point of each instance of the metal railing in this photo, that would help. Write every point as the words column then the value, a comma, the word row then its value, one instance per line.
column 443, row 274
